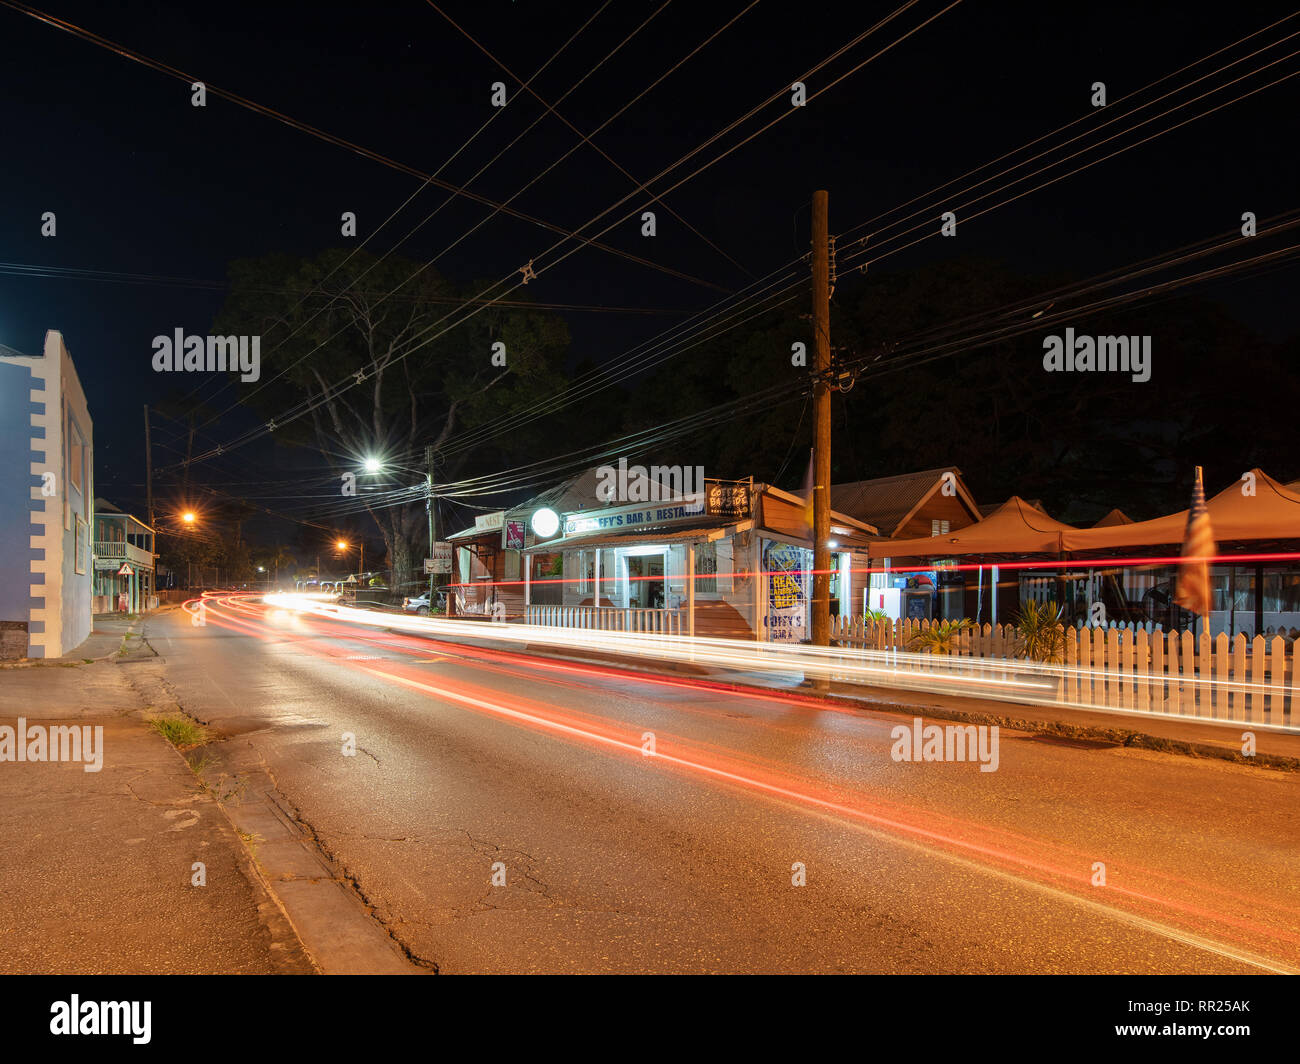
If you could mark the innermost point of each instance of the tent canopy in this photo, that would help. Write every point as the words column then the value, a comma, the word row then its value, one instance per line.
column 1115, row 517
column 1271, row 513
column 1015, row 527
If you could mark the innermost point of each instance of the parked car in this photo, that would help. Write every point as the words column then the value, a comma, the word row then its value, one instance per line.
column 419, row 605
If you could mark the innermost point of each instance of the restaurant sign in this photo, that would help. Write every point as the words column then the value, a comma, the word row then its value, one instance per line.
column 629, row 519
column 727, row 500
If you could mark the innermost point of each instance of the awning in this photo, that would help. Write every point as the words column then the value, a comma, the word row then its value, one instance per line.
column 1271, row 512
column 1015, row 527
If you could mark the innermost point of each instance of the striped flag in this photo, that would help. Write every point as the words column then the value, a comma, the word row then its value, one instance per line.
column 1198, row 546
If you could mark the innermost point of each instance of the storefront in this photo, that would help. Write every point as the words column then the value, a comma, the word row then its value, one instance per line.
column 733, row 562
column 123, row 579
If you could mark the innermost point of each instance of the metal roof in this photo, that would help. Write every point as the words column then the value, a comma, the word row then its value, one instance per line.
column 887, row 502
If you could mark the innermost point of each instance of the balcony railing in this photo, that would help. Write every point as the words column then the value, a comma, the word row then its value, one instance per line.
column 128, row 552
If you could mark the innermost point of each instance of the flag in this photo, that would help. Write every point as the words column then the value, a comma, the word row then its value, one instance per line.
column 1198, row 547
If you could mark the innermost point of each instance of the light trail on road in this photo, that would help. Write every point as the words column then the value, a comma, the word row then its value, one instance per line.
column 1020, row 681
column 1196, row 913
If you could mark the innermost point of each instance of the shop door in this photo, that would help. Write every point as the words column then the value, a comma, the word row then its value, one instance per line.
column 645, row 575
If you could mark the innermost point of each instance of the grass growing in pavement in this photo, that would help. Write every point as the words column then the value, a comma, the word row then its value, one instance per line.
column 181, row 732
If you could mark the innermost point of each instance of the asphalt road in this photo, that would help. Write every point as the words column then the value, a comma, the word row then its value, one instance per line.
column 473, row 762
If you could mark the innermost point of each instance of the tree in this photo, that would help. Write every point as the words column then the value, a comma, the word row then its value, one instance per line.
column 385, row 374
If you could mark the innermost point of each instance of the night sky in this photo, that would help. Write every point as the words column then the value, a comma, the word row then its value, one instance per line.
column 144, row 183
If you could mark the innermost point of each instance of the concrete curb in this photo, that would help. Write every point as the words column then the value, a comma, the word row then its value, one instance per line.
column 315, row 902
column 269, row 908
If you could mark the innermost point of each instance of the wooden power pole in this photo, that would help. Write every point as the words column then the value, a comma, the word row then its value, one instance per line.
column 821, row 285
column 433, row 522
column 148, row 467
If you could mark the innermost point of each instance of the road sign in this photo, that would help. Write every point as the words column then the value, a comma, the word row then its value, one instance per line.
column 440, row 563
column 126, row 570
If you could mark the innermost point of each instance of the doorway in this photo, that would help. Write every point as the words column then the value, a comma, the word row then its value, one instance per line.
column 645, row 576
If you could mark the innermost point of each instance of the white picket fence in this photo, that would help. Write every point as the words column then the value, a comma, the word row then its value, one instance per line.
column 1209, row 677
column 606, row 618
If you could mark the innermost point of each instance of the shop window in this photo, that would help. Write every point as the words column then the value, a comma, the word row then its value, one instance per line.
column 586, row 572
column 706, row 569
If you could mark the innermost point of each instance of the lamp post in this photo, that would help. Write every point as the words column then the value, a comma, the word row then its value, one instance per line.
column 188, row 518
column 343, row 545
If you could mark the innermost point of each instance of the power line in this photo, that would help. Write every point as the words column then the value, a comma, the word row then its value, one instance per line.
column 524, row 187
column 329, row 392
column 585, row 138
column 330, row 138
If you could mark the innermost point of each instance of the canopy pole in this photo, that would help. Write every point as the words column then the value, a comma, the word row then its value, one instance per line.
column 993, row 598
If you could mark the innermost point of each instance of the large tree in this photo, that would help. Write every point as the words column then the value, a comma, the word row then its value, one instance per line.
column 388, row 357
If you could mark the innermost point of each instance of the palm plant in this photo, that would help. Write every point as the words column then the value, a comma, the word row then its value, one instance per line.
column 1040, row 632
column 938, row 638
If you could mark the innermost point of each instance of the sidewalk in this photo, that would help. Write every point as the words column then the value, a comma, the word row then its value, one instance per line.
column 110, row 633
column 99, row 865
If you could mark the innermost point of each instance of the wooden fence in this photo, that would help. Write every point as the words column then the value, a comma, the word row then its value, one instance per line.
column 1209, row 677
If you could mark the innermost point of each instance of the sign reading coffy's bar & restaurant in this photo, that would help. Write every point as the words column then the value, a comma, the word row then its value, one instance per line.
column 630, row 518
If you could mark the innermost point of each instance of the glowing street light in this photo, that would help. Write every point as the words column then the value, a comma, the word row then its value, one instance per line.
column 343, row 545
column 372, row 465
column 188, row 517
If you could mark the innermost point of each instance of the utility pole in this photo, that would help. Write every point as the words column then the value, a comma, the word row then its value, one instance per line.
column 148, row 488
column 433, row 524
column 821, row 281
column 148, row 467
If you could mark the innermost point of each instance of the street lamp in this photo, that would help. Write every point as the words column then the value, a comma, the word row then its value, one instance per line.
column 188, row 518
column 372, row 465
column 361, row 557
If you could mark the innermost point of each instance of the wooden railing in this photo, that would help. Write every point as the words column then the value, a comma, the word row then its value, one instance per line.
column 606, row 618
column 128, row 552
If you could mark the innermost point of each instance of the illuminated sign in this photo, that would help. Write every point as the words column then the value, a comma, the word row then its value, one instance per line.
column 629, row 519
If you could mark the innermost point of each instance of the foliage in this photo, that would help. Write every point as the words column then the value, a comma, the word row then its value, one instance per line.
column 1073, row 440
column 938, row 638
column 180, row 731
column 389, row 359
column 1040, row 632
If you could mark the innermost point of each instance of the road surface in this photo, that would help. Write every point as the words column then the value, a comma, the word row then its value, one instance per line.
column 763, row 834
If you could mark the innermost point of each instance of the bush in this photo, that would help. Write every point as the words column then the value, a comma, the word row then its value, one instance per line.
column 937, row 639
column 1041, row 633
